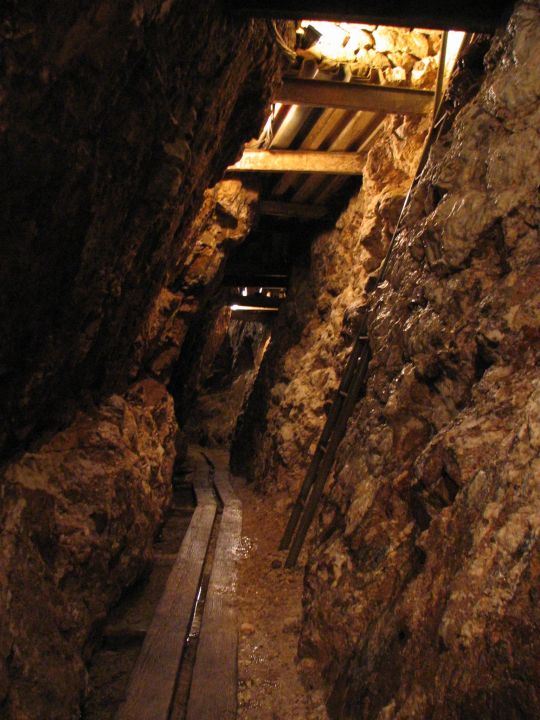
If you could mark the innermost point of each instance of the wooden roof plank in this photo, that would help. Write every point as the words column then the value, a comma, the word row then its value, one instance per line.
column 304, row 161
column 366, row 140
column 480, row 16
column 355, row 96
column 292, row 210
column 313, row 141
column 344, row 140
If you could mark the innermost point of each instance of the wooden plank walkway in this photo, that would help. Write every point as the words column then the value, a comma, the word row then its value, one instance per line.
column 214, row 683
column 153, row 680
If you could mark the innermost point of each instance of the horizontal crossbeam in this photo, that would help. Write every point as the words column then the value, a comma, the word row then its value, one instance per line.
column 355, row 96
column 280, row 209
column 254, row 302
column 252, row 279
column 304, row 161
column 478, row 16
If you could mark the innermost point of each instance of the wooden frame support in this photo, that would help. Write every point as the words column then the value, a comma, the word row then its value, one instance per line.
column 479, row 16
column 287, row 210
column 304, row 161
column 355, row 96
column 251, row 278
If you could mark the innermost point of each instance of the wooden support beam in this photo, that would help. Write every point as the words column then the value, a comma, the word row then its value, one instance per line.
column 302, row 211
column 355, row 96
column 253, row 279
column 478, row 16
column 306, row 161
column 255, row 302
column 260, row 316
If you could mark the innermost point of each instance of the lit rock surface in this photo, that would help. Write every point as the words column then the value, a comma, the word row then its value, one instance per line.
column 115, row 117
column 423, row 581
column 382, row 55
column 228, row 213
column 279, row 428
column 77, row 520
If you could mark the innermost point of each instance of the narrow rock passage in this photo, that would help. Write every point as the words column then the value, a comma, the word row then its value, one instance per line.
column 269, row 614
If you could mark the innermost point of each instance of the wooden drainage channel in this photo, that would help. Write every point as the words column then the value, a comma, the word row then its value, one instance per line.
column 162, row 686
column 354, row 377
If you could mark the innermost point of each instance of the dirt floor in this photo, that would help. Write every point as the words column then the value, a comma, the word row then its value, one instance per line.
column 269, row 600
column 269, row 613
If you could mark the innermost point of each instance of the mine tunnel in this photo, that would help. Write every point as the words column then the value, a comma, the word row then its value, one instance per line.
column 269, row 377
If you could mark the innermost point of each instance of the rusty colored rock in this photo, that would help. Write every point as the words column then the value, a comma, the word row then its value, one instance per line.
column 280, row 425
column 116, row 116
column 228, row 213
column 422, row 583
column 78, row 517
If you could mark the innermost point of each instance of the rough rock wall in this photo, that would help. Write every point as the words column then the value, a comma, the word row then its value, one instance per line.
column 423, row 582
column 115, row 117
column 227, row 381
column 229, row 212
column 380, row 54
column 77, row 519
column 278, row 430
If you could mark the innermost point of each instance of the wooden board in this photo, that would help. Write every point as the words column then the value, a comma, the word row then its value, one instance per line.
column 355, row 96
column 292, row 210
column 214, row 683
column 153, row 679
column 305, row 161
column 480, row 16
column 314, row 139
column 360, row 127
column 366, row 141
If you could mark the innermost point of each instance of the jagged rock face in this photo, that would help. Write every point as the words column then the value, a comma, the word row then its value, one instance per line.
column 380, row 54
column 229, row 212
column 422, row 584
column 77, row 521
column 279, row 429
column 226, row 381
column 115, row 117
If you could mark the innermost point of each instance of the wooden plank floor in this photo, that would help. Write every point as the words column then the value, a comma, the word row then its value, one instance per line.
column 214, row 683
column 153, row 680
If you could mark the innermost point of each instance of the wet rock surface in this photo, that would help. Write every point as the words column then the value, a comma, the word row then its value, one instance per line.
column 112, row 126
column 78, row 517
column 422, row 583
column 280, row 425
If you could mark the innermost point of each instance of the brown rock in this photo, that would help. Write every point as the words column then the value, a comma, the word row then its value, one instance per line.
column 427, row 555
column 108, row 144
column 286, row 411
column 78, row 518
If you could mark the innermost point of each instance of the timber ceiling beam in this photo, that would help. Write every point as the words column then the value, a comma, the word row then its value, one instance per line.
column 302, row 211
column 477, row 16
column 355, row 96
column 304, row 161
column 254, row 302
column 253, row 279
